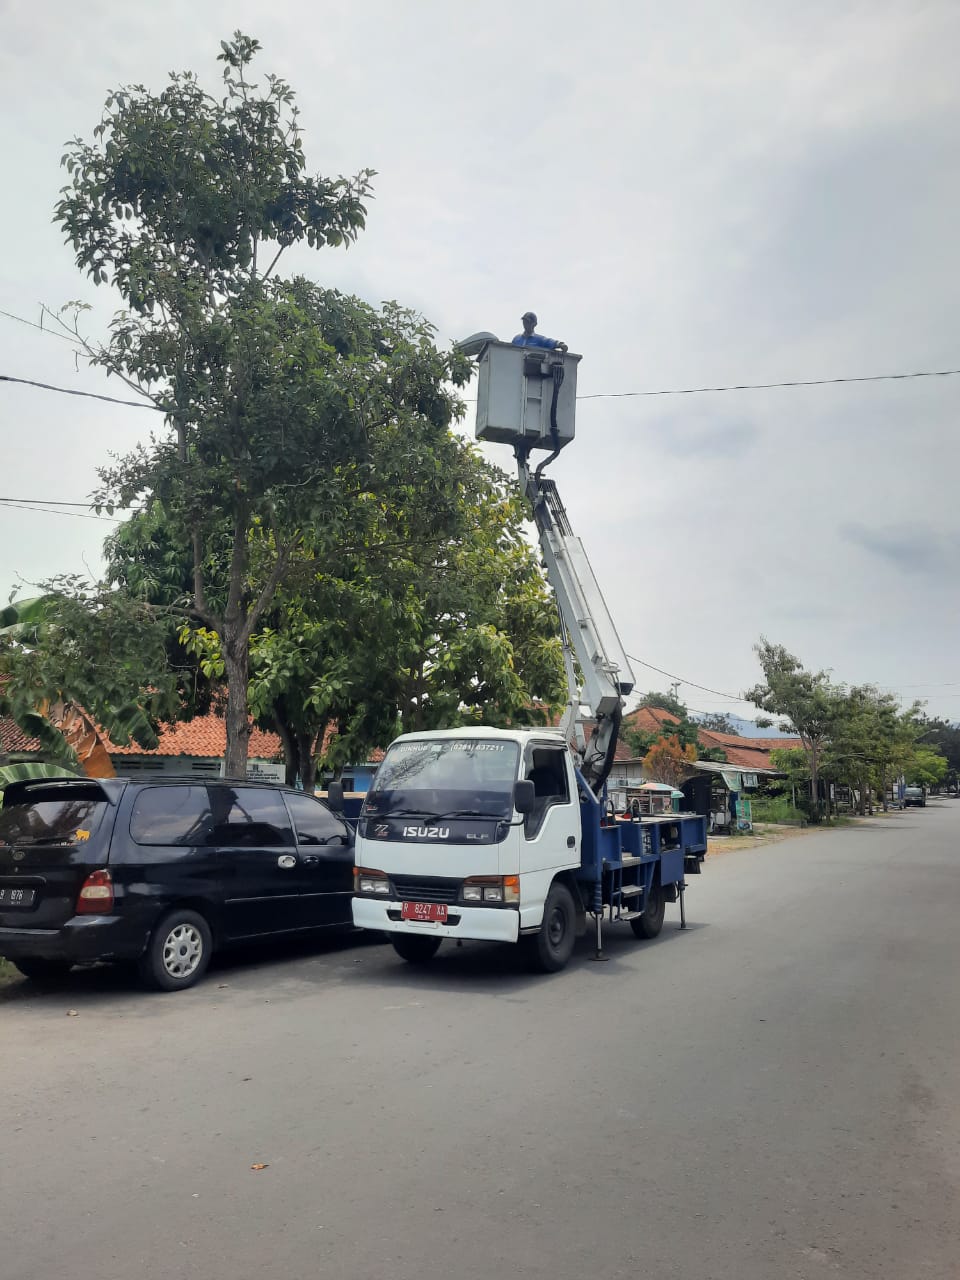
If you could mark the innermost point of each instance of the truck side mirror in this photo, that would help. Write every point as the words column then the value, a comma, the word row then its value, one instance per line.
column 524, row 796
column 335, row 796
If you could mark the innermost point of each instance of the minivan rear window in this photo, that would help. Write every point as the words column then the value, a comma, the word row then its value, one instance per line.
column 53, row 816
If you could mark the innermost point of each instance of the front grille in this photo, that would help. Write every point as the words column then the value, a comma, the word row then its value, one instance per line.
column 426, row 888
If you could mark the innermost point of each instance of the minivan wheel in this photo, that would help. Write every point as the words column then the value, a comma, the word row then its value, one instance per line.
column 40, row 970
column 178, row 952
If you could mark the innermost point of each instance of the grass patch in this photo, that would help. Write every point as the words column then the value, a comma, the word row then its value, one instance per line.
column 776, row 809
column 7, row 972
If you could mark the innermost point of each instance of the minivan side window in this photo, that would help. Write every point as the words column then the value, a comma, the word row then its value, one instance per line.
column 314, row 823
column 171, row 815
column 248, row 817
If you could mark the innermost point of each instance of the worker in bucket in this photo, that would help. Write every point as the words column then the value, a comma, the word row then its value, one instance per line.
column 531, row 339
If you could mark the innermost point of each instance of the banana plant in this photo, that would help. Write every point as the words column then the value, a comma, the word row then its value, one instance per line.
column 29, row 769
column 67, row 733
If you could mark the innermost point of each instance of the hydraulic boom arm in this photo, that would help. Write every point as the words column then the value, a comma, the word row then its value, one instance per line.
column 588, row 630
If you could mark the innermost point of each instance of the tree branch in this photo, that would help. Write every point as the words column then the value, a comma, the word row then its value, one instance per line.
column 266, row 274
column 267, row 591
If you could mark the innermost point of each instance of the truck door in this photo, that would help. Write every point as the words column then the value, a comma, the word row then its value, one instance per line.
column 552, row 828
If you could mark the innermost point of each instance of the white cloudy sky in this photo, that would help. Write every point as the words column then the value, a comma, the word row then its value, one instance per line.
column 689, row 194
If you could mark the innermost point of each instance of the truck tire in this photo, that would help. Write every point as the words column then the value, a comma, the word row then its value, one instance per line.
column 649, row 924
column 178, row 952
column 551, row 948
column 413, row 948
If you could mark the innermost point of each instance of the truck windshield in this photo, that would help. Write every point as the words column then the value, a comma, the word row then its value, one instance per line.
column 448, row 777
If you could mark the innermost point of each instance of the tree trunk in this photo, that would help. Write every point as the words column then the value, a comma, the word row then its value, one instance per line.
column 308, row 779
column 815, row 781
column 288, row 742
column 236, row 661
column 316, row 750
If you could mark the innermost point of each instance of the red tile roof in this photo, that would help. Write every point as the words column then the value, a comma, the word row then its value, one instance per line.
column 203, row 736
column 742, row 753
column 206, row 737
column 13, row 738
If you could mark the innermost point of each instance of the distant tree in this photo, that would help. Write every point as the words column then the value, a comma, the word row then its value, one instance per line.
column 679, row 726
column 926, row 768
column 803, row 699
column 718, row 722
column 664, row 702
column 944, row 737
column 669, row 761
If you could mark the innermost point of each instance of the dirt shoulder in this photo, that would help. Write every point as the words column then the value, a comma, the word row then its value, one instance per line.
column 763, row 833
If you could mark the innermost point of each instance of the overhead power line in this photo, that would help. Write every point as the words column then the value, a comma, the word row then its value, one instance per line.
column 49, row 502
column 731, row 697
column 89, row 395
column 766, row 386
column 55, row 511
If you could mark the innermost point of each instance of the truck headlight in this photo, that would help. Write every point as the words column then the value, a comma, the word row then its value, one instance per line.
column 491, row 889
column 370, row 882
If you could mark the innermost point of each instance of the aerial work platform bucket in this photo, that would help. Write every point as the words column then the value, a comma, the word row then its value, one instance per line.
column 526, row 396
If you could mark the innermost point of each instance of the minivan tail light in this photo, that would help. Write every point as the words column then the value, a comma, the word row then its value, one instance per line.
column 96, row 894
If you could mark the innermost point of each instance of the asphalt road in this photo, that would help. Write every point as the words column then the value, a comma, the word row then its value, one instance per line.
column 772, row 1094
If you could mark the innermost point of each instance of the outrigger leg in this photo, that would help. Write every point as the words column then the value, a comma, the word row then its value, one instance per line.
column 598, row 916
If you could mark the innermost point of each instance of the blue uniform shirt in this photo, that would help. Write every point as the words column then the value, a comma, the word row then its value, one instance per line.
column 534, row 340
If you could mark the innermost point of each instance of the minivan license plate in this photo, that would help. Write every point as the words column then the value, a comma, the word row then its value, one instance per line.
column 428, row 912
column 10, row 897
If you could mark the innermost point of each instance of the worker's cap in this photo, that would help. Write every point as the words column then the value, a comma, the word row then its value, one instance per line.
column 529, row 315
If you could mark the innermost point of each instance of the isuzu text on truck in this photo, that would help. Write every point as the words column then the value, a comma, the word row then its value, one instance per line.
column 504, row 834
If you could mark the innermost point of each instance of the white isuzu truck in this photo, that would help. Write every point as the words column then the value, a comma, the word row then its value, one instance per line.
column 504, row 834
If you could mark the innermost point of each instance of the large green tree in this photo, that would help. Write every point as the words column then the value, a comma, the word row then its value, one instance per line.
column 271, row 392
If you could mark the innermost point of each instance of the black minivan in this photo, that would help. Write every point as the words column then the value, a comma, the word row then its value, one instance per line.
column 163, row 872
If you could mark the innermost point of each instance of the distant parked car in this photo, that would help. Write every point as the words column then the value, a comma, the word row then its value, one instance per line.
column 914, row 796
column 163, row 872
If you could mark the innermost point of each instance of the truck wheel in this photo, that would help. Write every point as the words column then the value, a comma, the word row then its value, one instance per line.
column 552, row 947
column 415, row 949
column 37, row 969
column 178, row 952
column 650, row 923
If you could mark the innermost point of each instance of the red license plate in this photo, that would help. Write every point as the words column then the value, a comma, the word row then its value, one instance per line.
column 428, row 912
